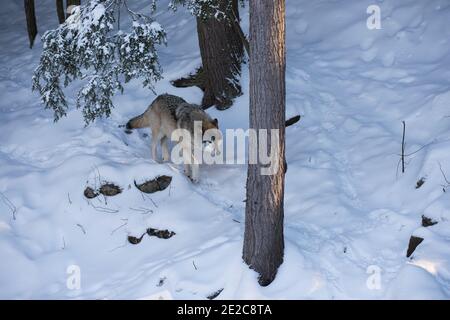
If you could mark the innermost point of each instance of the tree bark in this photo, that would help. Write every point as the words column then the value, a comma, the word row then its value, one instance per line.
column 263, row 238
column 31, row 21
column 221, row 49
column 60, row 11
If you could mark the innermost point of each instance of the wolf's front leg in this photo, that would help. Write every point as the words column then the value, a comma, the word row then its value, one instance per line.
column 154, row 146
column 195, row 173
column 187, row 170
column 165, row 149
column 187, row 164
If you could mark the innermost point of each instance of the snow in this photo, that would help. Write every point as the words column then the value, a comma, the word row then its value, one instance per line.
column 348, row 207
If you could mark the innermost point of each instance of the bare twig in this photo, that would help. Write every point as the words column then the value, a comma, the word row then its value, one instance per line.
column 398, row 165
column 156, row 206
column 144, row 195
column 442, row 171
column 9, row 204
column 445, row 178
column 98, row 199
column 82, row 228
column 142, row 210
column 121, row 226
column 68, row 197
column 103, row 209
column 104, row 199
column 403, row 147
column 421, row 148
column 114, row 249
column 193, row 263
column 135, row 15
column 99, row 176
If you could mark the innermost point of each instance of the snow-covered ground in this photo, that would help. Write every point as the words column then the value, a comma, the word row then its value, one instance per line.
column 349, row 209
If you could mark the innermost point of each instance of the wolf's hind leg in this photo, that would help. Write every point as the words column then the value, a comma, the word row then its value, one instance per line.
column 155, row 140
column 165, row 149
column 194, row 172
column 187, row 165
column 195, row 168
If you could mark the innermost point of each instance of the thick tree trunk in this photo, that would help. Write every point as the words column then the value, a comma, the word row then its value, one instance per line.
column 60, row 11
column 31, row 21
column 221, row 49
column 263, row 239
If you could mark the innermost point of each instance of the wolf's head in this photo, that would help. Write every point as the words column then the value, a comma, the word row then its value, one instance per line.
column 212, row 136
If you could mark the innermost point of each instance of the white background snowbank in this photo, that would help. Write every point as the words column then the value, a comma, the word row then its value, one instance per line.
column 347, row 205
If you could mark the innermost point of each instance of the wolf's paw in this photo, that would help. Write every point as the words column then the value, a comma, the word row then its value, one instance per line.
column 192, row 179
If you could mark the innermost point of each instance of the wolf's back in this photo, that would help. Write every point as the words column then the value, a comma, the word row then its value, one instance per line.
column 162, row 102
column 169, row 102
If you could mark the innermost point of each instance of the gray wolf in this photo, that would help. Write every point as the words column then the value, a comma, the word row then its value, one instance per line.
column 168, row 113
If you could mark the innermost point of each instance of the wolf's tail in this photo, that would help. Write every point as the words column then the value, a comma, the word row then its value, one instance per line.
column 138, row 122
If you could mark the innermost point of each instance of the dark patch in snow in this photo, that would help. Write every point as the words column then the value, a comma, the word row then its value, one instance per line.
column 158, row 184
column 90, row 193
column 427, row 222
column 162, row 234
column 161, row 282
column 413, row 243
column 135, row 240
column 420, row 182
column 215, row 294
column 292, row 120
column 110, row 189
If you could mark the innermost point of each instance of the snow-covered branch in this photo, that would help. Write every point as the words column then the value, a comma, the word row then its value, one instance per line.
column 88, row 47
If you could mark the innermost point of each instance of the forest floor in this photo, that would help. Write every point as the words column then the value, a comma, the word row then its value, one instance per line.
column 349, row 210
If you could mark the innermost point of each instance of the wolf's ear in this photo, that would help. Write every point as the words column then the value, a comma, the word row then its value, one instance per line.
column 215, row 122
